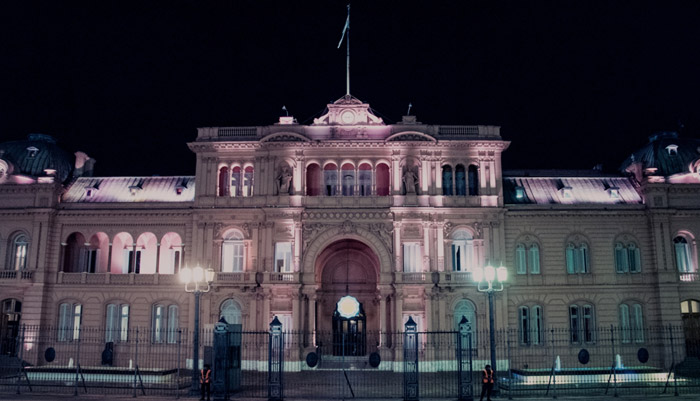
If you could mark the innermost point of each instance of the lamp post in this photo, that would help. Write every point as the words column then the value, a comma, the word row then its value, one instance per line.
column 198, row 281
column 485, row 278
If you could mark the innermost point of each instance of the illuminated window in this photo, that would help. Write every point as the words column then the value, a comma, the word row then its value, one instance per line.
column 20, row 247
column 412, row 260
column 330, row 179
column 684, row 257
column 283, row 257
column 365, row 179
column 460, row 181
column 313, row 180
column 233, row 252
column 69, row 318
column 236, row 181
column 463, row 259
column 348, row 179
column 473, row 173
column 248, row 181
column 383, row 180
column 132, row 260
column 230, row 311
column 117, row 323
column 223, row 181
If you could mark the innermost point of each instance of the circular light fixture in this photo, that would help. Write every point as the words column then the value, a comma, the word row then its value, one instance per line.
column 348, row 307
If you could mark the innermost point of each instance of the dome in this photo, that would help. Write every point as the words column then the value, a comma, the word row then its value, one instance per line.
column 666, row 152
column 35, row 154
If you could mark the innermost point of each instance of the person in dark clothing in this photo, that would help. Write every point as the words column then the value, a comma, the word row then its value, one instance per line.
column 487, row 380
column 205, row 381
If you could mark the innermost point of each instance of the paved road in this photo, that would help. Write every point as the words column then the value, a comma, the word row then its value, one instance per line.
column 48, row 397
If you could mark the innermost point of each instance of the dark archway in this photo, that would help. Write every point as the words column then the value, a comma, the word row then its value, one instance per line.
column 9, row 326
column 346, row 267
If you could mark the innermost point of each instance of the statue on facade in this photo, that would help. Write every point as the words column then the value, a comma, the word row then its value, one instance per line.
column 410, row 180
column 284, row 181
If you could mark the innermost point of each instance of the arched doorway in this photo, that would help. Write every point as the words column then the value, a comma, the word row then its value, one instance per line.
column 9, row 326
column 347, row 268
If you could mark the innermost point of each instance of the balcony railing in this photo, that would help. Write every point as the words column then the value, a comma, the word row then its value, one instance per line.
column 693, row 277
column 13, row 275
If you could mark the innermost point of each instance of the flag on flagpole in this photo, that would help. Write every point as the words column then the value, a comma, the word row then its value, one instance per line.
column 345, row 29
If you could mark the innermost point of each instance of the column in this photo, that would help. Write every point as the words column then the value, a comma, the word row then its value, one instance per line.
column 440, row 244
column 382, row 319
column 109, row 259
column 157, row 257
column 296, row 312
column 338, row 181
column 374, row 180
column 428, row 310
column 356, row 186
column 266, row 307
column 396, row 169
column 398, row 252
column 297, row 246
column 133, row 258
column 297, row 178
column 425, row 179
column 252, row 314
column 442, row 313
column 492, row 174
column 438, row 177
column 482, row 175
column 426, row 246
column 312, row 318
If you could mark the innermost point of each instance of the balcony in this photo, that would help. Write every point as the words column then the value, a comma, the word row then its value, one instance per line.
column 117, row 279
column 8, row 275
column 692, row 277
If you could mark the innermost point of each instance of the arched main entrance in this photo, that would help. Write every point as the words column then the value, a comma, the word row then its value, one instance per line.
column 347, row 267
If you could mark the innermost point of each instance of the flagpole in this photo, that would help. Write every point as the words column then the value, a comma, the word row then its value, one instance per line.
column 347, row 45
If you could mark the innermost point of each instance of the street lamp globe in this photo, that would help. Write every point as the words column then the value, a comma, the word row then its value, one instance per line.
column 489, row 273
column 186, row 275
column 502, row 274
column 478, row 274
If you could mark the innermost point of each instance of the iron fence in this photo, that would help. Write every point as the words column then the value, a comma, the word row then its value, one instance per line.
column 370, row 365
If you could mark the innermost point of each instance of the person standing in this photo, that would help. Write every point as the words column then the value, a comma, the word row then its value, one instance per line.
column 487, row 380
column 205, row 381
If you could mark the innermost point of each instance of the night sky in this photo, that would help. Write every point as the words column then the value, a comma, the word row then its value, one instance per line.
column 572, row 83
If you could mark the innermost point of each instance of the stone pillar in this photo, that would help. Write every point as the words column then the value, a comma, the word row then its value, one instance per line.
column 157, row 257
column 440, row 243
column 442, row 314
column 396, row 170
column 425, row 175
column 297, row 177
column 267, row 295
column 296, row 312
column 374, row 180
column 109, row 258
column 438, row 177
column 312, row 318
column 398, row 252
column 426, row 246
column 382, row 319
column 297, row 246
column 482, row 176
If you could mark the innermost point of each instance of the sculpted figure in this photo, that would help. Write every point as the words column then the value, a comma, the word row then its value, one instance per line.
column 284, row 180
column 409, row 181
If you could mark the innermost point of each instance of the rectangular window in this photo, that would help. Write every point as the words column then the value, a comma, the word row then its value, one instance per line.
column 124, row 323
column 570, row 262
column 69, row 317
column 534, row 259
column 536, row 327
column 588, row 323
column 462, row 255
column 621, row 261
column 283, row 257
column 173, row 324
column 624, row 323
column 637, row 323
column 365, row 178
column 158, row 323
column 20, row 256
column 574, row 325
column 411, row 258
column 520, row 259
column 177, row 260
column 232, row 256
column 524, row 325
column 634, row 259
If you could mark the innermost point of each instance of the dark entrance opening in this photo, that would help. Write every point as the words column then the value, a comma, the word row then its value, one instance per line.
column 690, row 313
column 9, row 326
column 349, row 334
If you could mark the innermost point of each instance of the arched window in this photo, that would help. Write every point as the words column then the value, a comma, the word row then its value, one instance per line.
column 165, row 323
column 447, row 180
column 581, row 323
column 463, row 259
column 365, row 179
column 577, row 259
column 627, row 258
column 117, row 323
column 383, row 180
column 631, row 323
column 473, row 180
column 313, row 180
column 69, row 318
column 233, row 252
column 465, row 308
column 530, row 325
column 460, row 180
column 223, row 181
column 330, row 179
column 348, row 179
column 20, row 247
column 684, row 255
column 527, row 256
column 231, row 311
column 248, row 181
column 236, row 181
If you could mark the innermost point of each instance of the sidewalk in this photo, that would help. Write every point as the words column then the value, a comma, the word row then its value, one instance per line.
column 53, row 397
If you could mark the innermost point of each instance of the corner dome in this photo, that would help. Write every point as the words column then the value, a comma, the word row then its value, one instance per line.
column 666, row 154
column 32, row 156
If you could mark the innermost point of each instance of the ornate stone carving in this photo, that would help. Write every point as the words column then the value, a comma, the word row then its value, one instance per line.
column 348, row 227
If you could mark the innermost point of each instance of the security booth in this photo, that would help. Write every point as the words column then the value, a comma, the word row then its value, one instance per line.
column 227, row 358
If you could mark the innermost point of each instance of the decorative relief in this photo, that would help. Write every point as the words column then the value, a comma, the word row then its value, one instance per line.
column 411, row 231
column 347, row 216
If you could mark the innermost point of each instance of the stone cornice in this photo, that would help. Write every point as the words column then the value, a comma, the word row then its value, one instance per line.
column 203, row 147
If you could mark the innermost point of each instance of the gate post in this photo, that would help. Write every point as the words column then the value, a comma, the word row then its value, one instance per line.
column 464, row 361
column 410, row 361
column 275, row 365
